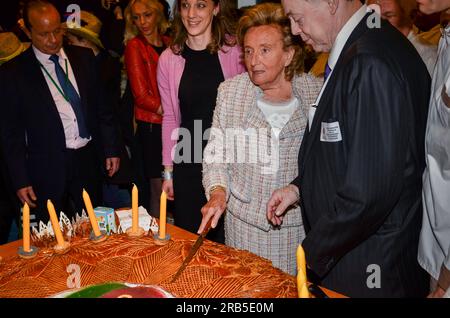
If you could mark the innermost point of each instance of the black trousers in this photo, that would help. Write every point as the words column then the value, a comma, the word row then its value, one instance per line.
column 83, row 171
column 9, row 203
column 190, row 198
column 9, row 211
column 149, row 139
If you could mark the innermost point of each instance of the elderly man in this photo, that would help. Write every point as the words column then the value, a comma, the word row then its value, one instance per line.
column 434, row 246
column 56, row 132
column 362, row 157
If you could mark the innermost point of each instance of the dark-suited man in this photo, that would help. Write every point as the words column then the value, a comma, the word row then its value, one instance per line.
column 362, row 157
column 56, row 132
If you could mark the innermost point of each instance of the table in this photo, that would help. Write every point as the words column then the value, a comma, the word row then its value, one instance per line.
column 10, row 249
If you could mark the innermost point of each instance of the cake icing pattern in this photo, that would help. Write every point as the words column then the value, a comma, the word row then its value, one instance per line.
column 215, row 271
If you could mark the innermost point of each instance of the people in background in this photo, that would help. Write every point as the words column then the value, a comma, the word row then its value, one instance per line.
column 434, row 246
column 400, row 14
column 10, row 47
column 115, row 188
column 202, row 55
column 273, row 99
column 56, row 130
column 145, row 26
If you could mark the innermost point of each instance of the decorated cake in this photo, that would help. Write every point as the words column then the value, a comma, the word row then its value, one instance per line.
column 215, row 271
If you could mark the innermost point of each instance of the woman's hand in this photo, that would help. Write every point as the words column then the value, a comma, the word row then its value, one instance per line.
column 167, row 187
column 213, row 209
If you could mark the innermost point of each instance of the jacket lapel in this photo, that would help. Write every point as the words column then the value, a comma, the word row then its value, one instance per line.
column 297, row 120
column 39, row 86
column 254, row 117
column 326, row 101
column 35, row 76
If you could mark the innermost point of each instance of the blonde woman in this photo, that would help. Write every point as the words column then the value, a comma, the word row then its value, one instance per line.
column 145, row 24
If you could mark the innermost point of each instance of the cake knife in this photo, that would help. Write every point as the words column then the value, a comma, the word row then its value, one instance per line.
column 193, row 250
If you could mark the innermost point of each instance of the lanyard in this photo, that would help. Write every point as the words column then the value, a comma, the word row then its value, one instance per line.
column 54, row 82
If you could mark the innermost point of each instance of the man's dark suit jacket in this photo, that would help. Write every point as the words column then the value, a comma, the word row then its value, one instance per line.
column 361, row 196
column 32, row 132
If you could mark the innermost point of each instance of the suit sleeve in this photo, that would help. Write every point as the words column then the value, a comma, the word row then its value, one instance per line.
column 13, row 131
column 375, row 131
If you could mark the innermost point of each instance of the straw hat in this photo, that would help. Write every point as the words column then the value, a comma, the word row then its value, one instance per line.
column 89, row 29
column 10, row 46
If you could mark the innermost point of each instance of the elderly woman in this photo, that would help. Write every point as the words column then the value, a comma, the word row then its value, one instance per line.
column 264, row 108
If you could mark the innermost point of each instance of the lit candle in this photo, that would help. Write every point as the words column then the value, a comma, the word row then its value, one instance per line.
column 302, row 287
column 26, row 227
column 55, row 224
column 134, row 209
column 90, row 211
column 162, row 216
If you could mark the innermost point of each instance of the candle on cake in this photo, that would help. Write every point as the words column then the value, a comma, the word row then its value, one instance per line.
column 301, row 275
column 135, row 230
column 97, row 236
column 26, row 250
column 26, row 228
column 90, row 211
column 134, row 208
column 61, row 245
column 162, row 216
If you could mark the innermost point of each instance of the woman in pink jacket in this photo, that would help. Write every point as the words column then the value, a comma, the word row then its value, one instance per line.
column 202, row 55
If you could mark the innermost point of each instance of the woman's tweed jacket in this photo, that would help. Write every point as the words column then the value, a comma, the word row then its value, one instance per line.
column 247, row 167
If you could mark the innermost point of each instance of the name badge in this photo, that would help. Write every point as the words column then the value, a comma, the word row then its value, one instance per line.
column 330, row 132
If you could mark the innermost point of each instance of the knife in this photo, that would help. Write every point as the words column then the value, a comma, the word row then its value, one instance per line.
column 193, row 250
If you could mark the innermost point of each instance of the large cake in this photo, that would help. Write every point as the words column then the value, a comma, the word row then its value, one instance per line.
column 215, row 271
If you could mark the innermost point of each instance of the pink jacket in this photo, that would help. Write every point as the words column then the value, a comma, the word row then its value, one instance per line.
column 170, row 70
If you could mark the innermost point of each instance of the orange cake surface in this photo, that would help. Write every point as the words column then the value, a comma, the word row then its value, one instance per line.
column 215, row 271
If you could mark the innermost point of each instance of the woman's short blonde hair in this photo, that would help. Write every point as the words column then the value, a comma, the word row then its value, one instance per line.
column 130, row 28
column 272, row 14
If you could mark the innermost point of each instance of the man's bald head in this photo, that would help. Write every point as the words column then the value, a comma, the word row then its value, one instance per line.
column 43, row 26
column 37, row 8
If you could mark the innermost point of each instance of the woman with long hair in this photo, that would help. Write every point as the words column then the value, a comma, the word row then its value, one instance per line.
column 145, row 26
column 202, row 55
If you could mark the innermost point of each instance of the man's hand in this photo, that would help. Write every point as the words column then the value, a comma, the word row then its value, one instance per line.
column 280, row 200
column 214, row 208
column 167, row 187
column 438, row 293
column 27, row 195
column 112, row 165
